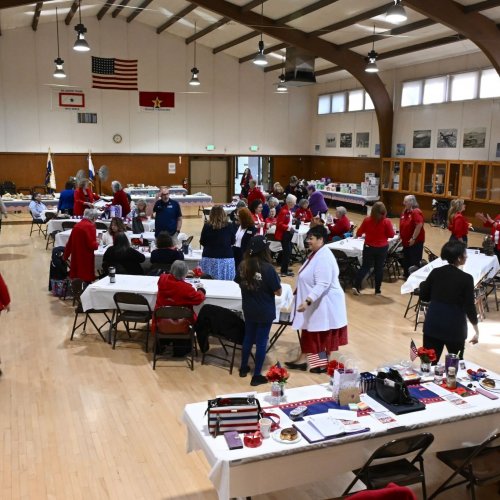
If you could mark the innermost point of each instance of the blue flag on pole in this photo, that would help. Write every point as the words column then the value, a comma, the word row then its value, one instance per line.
column 50, row 175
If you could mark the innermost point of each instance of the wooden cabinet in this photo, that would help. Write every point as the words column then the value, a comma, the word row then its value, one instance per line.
column 470, row 180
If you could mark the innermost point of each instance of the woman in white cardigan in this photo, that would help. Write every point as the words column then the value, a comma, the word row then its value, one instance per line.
column 320, row 304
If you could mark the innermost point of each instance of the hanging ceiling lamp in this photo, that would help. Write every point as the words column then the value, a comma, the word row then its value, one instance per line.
column 81, row 44
column 59, row 71
column 396, row 13
column 260, row 59
column 371, row 67
column 281, row 88
column 194, row 70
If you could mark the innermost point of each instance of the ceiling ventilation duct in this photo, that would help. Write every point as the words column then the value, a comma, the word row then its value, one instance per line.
column 299, row 68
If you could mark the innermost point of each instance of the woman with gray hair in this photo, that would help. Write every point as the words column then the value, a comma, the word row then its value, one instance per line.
column 120, row 198
column 81, row 245
column 341, row 225
column 412, row 234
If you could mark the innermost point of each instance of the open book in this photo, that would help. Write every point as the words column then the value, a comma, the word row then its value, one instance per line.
column 321, row 427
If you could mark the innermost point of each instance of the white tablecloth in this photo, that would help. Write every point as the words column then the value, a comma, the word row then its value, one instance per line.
column 477, row 265
column 299, row 237
column 353, row 247
column 153, row 190
column 56, row 224
column 274, row 466
column 62, row 238
column 356, row 199
column 99, row 295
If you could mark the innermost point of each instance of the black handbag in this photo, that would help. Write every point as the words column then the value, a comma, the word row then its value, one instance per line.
column 390, row 387
column 137, row 226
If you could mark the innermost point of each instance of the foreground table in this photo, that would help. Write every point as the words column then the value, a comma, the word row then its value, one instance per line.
column 478, row 265
column 274, row 466
column 56, row 224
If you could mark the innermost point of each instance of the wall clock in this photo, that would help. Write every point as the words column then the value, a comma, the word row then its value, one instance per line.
column 117, row 138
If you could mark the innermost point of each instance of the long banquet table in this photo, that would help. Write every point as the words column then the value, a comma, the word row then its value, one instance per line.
column 274, row 466
column 356, row 199
column 353, row 247
column 478, row 265
column 56, row 224
column 99, row 295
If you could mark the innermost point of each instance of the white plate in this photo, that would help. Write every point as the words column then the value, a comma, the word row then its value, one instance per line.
column 276, row 436
column 494, row 389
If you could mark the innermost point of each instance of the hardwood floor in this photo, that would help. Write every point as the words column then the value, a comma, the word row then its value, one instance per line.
column 81, row 421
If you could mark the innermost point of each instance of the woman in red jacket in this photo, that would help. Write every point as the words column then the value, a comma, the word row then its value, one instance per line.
column 303, row 213
column 495, row 229
column 457, row 223
column 84, row 198
column 174, row 291
column 4, row 299
column 284, row 233
column 377, row 230
column 120, row 198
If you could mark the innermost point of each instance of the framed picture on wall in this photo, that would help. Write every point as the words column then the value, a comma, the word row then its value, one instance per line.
column 377, row 149
column 346, row 139
column 331, row 140
column 447, row 138
column 400, row 149
column 421, row 138
column 362, row 139
column 474, row 137
column 498, row 150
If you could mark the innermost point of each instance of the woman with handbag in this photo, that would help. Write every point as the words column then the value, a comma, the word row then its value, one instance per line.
column 320, row 304
column 259, row 284
column 450, row 292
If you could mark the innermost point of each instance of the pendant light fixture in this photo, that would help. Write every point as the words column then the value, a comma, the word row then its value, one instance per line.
column 396, row 13
column 260, row 58
column 194, row 70
column 281, row 88
column 59, row 71
column 371, row 67
column 81, row 44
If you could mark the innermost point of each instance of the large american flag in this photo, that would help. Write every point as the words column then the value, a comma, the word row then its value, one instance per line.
column 112, row 73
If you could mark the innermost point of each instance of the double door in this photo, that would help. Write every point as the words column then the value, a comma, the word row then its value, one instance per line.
column 210, row 176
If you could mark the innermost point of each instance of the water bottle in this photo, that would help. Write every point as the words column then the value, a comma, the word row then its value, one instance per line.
column 451, row 378
column 112, row 274
column 275, row 393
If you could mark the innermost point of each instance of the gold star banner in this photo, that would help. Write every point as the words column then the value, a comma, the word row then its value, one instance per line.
column 157, row 101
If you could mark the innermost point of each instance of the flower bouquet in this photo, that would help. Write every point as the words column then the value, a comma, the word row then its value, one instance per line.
column 334, row 365
column 427, row 356
column 277, row 374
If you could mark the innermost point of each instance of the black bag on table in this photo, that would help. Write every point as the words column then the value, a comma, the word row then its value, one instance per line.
column 390, row 387
column 137, row 226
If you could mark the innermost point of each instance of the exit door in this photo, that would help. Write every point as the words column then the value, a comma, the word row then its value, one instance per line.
column 210, row 176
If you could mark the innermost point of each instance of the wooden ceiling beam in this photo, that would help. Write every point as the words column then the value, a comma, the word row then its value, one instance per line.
column 119, row 8
column 71, row 13
column 352, row 62
column 472, row 25
column 104, row 9
column 138, row 10
column 285, row 19
column 207, row 30
column 36, row 15
column 177, row 17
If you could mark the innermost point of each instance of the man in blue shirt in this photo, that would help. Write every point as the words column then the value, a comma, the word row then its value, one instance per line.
column 167, row 213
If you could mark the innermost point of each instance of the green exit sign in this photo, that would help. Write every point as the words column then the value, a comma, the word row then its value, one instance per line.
column 254, row 148
column 210, row 147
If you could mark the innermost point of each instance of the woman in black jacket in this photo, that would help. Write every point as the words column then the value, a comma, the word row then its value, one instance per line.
column 450, row 292
column 244, row 233
column 125, row 259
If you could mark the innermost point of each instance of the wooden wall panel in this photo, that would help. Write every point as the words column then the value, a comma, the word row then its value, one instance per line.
column 27, row 170
column 286, row 166
column 343, row 169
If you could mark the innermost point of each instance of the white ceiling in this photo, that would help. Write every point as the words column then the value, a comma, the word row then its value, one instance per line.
column 160, row 11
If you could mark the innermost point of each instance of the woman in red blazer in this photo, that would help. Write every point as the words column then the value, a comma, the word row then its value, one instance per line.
column 84, row 198
column 377, row 230
column 303, row 213
column 120, row 198
column 457, row 222
column 284, row 233
column 4, row 299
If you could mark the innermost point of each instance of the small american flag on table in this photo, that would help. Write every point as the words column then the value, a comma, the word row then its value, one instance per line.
column 413, row 351
column 317, row 360
column 112, row 73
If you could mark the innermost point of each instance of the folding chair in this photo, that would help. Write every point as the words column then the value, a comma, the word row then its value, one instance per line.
column 415, row 293
column 173, row 323
column 225, row 325
column 131, row 308
column 478, row 465
column 77, row 287
column 101, row 225
column 402, row 471
column 68, row 224
column 392, row 261
column 283, row 323
column 39, row 225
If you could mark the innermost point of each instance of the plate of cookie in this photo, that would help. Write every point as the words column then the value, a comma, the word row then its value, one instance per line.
column 288, row 435
column 490, row 384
